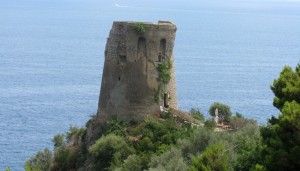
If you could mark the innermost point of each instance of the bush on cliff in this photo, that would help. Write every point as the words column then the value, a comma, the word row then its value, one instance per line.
column 213, row 158
column 41, row 161
column 110, row 150
column 163, row 144
column 197, row 114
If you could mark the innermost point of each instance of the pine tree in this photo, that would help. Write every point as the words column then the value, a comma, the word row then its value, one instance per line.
column 281, row 138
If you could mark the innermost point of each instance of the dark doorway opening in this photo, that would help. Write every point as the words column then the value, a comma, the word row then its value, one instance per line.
column 166, row 100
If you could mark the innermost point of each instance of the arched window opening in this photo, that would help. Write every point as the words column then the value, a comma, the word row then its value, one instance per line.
column 141, row 47
column 162, row 50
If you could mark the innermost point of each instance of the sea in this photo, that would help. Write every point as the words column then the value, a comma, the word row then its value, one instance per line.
column 52, row 54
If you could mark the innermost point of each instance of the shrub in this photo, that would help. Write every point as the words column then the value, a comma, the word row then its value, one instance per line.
column 197, row 114
column 65, row 159
column 258, row 167
column 213, row 158
column 239, row 115
column 109, row 150
column 40, row 162
column 132, row 163
column 115, row 126
column 166, row 115
column 248, row 147
column 171, row 160
column 74, row 131
column 196, row 143
column 59, row 140
column 146, row 144
column 164, row 71
column 139, row 28
column 223, row 111
column 210, row 124
column 240, row 122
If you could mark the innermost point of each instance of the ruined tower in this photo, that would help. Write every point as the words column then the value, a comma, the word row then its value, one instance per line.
column 138, row 75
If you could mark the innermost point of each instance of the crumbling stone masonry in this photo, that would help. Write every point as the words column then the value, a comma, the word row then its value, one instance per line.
column 139, row 74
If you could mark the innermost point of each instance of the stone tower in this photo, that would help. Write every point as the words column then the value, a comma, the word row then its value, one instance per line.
column 138, row 75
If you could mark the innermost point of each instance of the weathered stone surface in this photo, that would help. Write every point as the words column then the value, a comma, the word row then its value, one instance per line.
column 130, row 75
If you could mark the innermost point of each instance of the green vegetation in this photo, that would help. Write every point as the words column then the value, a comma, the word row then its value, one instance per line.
column 157, row 94
column 139, row 28
column 155, row 144
column 166, row 143
column 286, row 87
column 223, row 111
column 213, row 157
column 110, row 150
column 41, row 161
column 132, row 146
column 164, row 71
column 281, row 137
column 164, row 77
column 69, row 151
column 197, row 114
column 237, row 122
column 210, row 124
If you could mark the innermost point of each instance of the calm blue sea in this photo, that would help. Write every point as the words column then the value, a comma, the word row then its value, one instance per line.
column 51, row 60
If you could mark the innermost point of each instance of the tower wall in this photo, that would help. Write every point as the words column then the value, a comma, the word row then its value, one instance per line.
column 130, row 85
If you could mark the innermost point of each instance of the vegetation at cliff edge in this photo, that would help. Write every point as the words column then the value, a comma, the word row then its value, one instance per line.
column 232, row 142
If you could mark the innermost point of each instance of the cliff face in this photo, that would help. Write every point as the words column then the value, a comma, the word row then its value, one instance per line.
column 139, row 74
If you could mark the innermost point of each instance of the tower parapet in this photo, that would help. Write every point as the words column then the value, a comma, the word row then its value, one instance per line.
column 139, row 73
